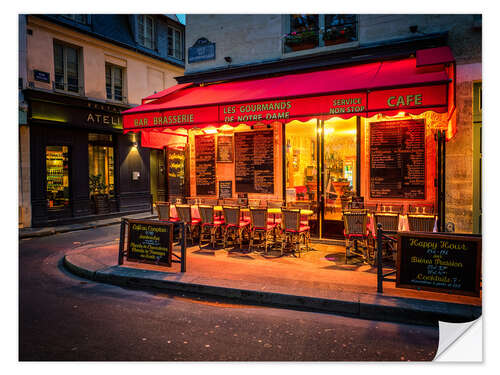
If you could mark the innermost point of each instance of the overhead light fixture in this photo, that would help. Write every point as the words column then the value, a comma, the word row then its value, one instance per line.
column 210, row 131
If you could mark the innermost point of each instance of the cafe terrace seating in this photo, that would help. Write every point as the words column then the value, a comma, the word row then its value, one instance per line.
column 210, row 226
column 261, row 229
column 234, row 226
column 356, row 234
column 421, row 223
column 293, row 232
column 392, row 208
column 389, row 222
column 163, row 210
column 192, row 224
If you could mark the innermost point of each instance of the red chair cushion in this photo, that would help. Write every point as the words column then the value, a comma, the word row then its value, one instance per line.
column 269, row 227
column 302, row 228
column 215, row 223
column 240, row 225
column 195, row 221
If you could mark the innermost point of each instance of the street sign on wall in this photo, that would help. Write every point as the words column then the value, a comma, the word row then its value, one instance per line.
column 202, row 50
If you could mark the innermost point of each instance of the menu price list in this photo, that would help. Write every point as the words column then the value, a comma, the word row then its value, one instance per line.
column 439, row 263
column 205, row 164
column 150, row 242
column 225, row 149
column 397, row 159
column 176, row 160
column 254, row 162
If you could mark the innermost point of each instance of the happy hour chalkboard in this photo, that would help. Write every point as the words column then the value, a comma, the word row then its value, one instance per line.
column 254, row 162
column 205, row 164
column 440, row 263
column 397, row 159
column 150, row 242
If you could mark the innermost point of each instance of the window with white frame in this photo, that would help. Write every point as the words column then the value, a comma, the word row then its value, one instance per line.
column 307, row 31
column 175, row 43
column 80, row 18
column 146, row 31
column 66, row 67
column 114, row 83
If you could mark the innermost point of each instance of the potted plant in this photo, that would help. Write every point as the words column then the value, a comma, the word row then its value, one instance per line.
column 98, row 192
column 337, row 35
column 301, row 40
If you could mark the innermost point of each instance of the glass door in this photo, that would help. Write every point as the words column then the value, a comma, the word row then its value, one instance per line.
column 339, row 168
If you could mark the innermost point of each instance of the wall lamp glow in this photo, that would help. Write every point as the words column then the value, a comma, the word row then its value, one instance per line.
column 210, row 131
column 134, row 145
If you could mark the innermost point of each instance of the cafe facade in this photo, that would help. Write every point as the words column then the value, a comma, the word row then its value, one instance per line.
column 376, row 130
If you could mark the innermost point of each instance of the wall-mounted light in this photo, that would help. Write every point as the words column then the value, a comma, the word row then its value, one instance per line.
column 228, row 59
column 210, row 131
column 134, row 145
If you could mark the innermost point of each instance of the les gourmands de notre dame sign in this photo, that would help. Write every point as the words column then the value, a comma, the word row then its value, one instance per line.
column 344, row 106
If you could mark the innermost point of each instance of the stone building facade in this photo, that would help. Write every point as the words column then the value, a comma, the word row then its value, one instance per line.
column 76, row 74
column 249, row 46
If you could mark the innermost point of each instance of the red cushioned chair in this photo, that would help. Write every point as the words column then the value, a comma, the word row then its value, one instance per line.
column 192, row 224
column 293, row 231
column 210, row 226
column 356, row 234
column 163, row 210
column 261, row 228
column 234, row 227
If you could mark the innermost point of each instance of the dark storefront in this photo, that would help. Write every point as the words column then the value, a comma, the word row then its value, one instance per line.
column 82, row 166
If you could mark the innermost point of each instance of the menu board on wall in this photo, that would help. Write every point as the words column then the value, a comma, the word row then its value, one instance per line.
column 397, row 159
column 150, row 242
column 176, row 160
column 254, row 162
column 438, row 262
column 226, row 189
column 205, row 164
column 225, row 149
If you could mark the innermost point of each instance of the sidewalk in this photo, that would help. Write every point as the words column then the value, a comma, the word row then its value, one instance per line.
column 48, row 231
column 319, row 281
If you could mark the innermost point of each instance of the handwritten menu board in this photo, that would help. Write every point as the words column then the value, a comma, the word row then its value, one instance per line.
column 226, row 189
column 254, row 162
column 225, row 149
column 150, row 242
column 205, row 164
column 176, row 160
column 397, row 159
column 438, row 262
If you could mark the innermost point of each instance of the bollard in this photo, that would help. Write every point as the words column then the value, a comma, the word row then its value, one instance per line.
column 379, row 259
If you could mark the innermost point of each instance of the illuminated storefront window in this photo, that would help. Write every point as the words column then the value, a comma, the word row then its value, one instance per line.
column 101, row 163
column 57, row 160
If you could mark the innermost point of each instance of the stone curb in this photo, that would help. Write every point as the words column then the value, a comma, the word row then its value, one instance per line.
column 92, row 225
column 378, row 307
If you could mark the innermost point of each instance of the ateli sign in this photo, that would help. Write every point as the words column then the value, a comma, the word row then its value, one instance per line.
column 439, row 263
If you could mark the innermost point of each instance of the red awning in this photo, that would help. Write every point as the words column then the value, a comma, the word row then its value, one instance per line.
column 434, row 56
column 158, row 139
column 382, row 87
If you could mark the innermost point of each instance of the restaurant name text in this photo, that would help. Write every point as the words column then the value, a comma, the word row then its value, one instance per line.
column 164, row 120
column 253, row 112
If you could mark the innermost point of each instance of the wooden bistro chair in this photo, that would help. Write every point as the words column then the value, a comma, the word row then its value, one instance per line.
column 261, row 229
column 192, row 224
column 163, row 210
column 234, row 226
column 210, row 226
column 421, row 223
column 292, row 231
column 390, row 222
column 356, row 234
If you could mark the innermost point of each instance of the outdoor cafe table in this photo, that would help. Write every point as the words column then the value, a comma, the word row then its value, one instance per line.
column 402, row 225
column 195, row 213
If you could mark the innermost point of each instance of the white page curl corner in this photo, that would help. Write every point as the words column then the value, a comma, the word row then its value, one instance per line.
column 460, row 342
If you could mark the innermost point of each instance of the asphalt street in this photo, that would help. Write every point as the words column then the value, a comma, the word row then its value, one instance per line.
column 64, row 317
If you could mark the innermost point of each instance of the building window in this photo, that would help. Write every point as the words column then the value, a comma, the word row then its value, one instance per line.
column 57, row 161
column 80, row 18
column 114, row 83
column 312, row 31
column 175, row 45
column 146, row 31
column 101, row 164
column 66, row 67
column 340, row 28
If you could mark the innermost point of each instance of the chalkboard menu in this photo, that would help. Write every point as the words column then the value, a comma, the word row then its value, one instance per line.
column 397, row 159
column 225, row 149
column 254, row 162
column 438, row 262
column 205, row 164
column 226, row 189
column 150, row 242
column 176, row 159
